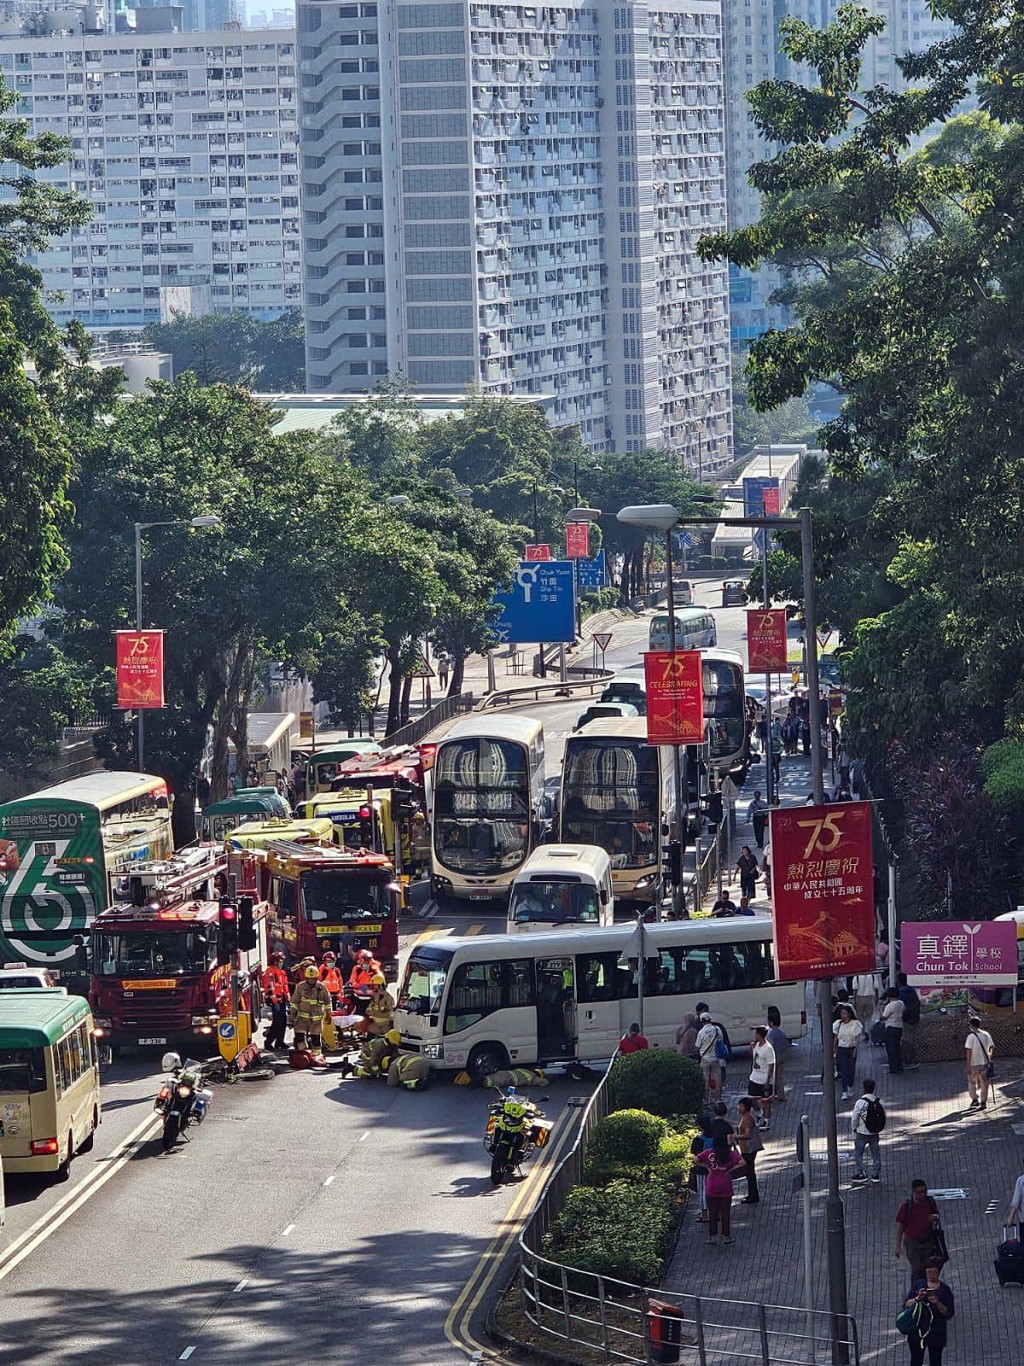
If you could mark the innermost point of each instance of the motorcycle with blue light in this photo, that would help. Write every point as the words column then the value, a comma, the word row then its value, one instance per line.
column 182, row 1099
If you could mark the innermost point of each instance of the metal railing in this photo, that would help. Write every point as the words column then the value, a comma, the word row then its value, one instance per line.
column 621, row 1323
column 508, row 696
column 414, row 731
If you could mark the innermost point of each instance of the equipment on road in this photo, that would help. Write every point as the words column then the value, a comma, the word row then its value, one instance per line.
column 182, row 1099
column 516, row 1128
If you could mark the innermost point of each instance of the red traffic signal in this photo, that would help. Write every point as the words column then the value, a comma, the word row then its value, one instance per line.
column 227, row 913
column 365, row 813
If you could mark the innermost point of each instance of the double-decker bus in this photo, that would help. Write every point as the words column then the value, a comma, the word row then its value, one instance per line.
column 488, row 788
column 325, row 897
column 725, row 707
column 159, row 977
column 568, row 996
column 618, row 792
column 61, row 852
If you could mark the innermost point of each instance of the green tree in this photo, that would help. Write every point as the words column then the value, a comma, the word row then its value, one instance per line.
column 790, row 423
column 236, row 348
column 41, row 692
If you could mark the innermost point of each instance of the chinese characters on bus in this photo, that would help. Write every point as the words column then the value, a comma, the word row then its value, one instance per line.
column 959, row 953
column 822, row 901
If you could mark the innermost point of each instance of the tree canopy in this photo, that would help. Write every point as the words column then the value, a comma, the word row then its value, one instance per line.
column 236, row 348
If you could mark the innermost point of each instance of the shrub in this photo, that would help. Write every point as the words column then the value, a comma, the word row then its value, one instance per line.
column 670, row 1165
column 621, row 1231
column 656, row 1080
column 628, row 1137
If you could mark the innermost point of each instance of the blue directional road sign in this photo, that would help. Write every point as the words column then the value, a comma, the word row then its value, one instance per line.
column 591, row 573
column 540, row 607
column 753, row 495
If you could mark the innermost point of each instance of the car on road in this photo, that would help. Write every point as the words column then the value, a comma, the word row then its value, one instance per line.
column 19, row 975
column 734, row 593
column 599, row 709
column 549, row 798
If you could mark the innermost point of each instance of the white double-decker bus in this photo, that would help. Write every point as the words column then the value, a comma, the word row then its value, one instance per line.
column 488, row 788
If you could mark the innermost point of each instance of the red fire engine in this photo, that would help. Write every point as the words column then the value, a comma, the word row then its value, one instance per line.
column 399, row 771
column 162, row 959
column 322, row 896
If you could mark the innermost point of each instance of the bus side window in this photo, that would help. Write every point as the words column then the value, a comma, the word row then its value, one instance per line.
column 753, row 962
column 695, row 974
column 597, row 976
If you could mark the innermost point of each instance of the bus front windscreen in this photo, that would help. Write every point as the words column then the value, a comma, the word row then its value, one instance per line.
column 482, row 815
column 425, row 976
column 554, row 901
column 137, row 953
column 338, row 897
column 724, row 708
column 610, row 797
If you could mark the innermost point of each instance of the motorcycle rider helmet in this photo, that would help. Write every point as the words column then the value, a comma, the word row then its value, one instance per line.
column 311, row 974
column 379, row 980
column 514, row 1108
column 170, row 1061
column 393, row 1037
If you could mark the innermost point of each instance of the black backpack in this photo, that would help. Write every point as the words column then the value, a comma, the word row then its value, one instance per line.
column 874, row 1116
column 911, row 1006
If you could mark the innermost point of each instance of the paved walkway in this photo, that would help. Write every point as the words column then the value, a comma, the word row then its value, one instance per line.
column 929, row 1134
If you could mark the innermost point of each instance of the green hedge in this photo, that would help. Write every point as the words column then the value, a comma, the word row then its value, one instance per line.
column 628, row 1137
column 622, row 1230
column 657, row 1080
column 669, row 1168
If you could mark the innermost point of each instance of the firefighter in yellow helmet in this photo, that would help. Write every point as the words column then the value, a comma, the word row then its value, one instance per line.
column 376, row 1054
column 409, row 1070
column 310, row 1001
column 380, row 1009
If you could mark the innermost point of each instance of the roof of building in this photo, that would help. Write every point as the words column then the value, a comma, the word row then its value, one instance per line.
column 312, row 412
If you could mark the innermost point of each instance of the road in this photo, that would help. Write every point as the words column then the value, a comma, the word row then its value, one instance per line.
column 308, row 1215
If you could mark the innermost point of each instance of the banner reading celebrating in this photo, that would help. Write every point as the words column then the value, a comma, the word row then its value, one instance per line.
column 675, row 697
column 822, row 898
column 766, row 640
column 140, row 669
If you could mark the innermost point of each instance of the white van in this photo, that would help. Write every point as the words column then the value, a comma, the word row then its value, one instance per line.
column 561, row 886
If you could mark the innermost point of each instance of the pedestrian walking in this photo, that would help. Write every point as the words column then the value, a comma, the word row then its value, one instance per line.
column 979, row 1051
column 708, row 1038
column 442, row 669
column 805, row 736
column 866, row 1123
column 865, row 997
column 849, row 1032
column 892, row 1018
column 857, row 777
column 701, row 1141
column 686, row 1035
column 719, row 1161
column 746, row 866
column 779, row 1040
column 843, row 765
column 1015, row 1213
column 762, row 1072
column 932, row 1300
column 776, row 750
column 757, row 814
column 916, row 1222
column 750, row 1144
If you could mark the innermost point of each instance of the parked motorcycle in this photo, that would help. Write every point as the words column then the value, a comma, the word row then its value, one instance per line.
column 182, row 1099
column 516, row 1128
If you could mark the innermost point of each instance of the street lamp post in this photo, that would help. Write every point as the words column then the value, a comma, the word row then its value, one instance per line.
column 664, row 517
column 140, row 527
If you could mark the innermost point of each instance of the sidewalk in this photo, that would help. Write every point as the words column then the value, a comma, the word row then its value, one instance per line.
column 971, row 1160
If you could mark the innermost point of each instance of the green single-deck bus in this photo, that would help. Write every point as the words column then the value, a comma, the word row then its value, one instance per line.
column 49, row 1080
column 61, row 851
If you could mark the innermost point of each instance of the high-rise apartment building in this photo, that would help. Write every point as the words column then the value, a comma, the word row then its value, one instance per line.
column 509, row 195
column 186, row 145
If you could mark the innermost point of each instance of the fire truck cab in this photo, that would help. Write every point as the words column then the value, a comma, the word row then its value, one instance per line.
column 326, row 897
column 161, row 964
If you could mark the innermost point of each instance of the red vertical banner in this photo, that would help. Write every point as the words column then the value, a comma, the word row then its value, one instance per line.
column 675, row 697
column 766, row 640
column 537, row 552
column 140, row 669
column 771, row 501
column 577, row 540
column 823, row 909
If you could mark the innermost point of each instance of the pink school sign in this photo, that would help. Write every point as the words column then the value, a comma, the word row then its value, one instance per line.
column 959, row 953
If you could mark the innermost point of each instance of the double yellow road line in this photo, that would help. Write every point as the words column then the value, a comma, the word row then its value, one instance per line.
column 457, row 1327
column 15, row 1253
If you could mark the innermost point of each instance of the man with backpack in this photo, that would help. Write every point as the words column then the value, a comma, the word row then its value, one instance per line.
column 867, row 1122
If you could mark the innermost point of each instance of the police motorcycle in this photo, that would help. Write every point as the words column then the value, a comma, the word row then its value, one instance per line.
column 182, row 1099
column 516, row 1128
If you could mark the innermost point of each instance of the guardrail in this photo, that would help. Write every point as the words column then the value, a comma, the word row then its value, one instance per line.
column 415, row 730
column 535, row 690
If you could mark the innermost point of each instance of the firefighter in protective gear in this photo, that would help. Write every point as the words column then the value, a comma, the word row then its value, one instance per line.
column 360, row 979
column 275, row 990
column 409, row 1070
column 376, row 1054
column 310, row 1001
column 515, row 1077
column 380, row 1009
column 331, row 976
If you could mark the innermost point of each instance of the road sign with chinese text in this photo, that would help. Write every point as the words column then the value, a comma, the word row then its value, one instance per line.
column 577, row 540
column 539, row 607
column 675, row 697
column 823, row 909
column 140, row 669
column 766, row 640
column 957, row 953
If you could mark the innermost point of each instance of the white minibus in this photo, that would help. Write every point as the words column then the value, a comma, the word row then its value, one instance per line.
column 562, row 885
column 568, row 996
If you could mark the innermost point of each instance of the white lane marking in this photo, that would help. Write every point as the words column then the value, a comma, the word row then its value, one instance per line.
column 187, row 1353
column 239, row 1287
column 49, row 1223
column 286, row 1230
column 364, row 1137
column 329, row 1180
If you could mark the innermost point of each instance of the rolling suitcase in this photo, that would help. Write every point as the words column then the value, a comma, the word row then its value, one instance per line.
column 1009, row 1262
column 877, row 1033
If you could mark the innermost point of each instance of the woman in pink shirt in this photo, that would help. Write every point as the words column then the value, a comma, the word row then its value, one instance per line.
column 720, row 1161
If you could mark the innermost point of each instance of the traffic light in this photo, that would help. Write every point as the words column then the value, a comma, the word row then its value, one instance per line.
column 247, row 936
column 673, row 852
column 227, row 939
column 401, row 802
column 366, row 825
column 714, row 809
